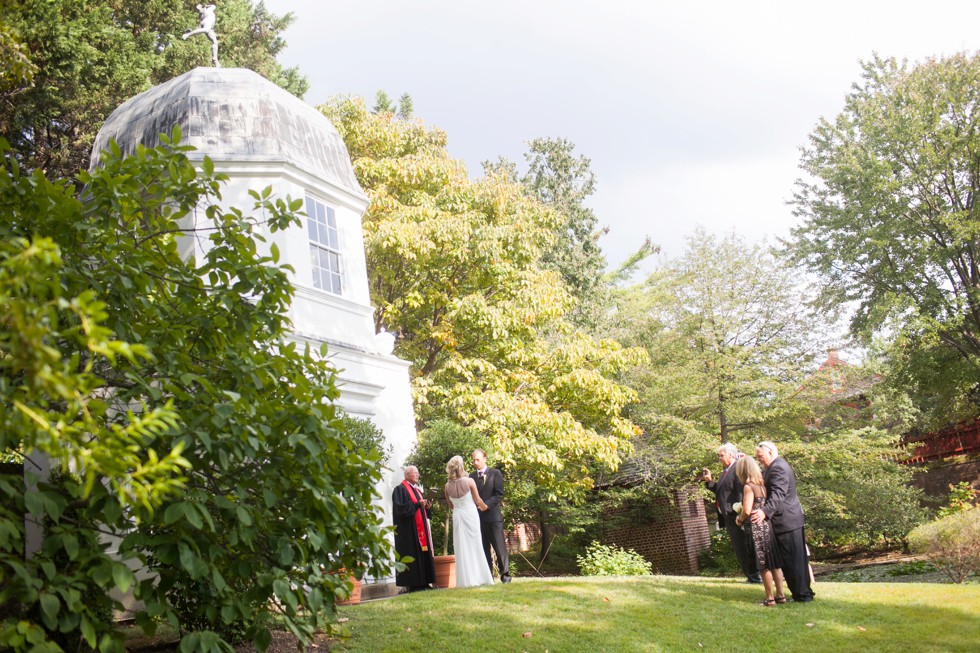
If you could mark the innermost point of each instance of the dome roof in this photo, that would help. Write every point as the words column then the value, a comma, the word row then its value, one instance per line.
column 232, row 114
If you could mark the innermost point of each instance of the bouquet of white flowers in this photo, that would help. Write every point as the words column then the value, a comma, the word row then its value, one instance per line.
column 737, row 507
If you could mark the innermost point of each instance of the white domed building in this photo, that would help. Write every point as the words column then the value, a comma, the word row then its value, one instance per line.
column 260, row 135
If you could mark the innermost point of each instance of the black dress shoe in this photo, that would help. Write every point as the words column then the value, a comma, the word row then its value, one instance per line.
column 505, row 579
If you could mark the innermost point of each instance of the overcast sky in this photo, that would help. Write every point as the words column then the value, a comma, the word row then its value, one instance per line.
column 691, row 112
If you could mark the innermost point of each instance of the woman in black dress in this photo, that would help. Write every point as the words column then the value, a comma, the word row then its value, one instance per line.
column 753, row 498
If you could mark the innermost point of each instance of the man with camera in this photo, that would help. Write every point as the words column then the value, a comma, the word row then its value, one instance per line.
column 728, row 491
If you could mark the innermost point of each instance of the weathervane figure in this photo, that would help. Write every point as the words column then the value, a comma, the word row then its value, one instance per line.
column 206, row 27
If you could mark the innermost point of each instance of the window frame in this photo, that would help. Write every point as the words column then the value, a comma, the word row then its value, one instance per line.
column 319, row 216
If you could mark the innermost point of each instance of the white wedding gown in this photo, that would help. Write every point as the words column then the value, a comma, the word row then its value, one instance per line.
column 471, row 561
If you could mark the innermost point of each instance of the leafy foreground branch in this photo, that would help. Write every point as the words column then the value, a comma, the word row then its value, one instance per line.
column 203, row 440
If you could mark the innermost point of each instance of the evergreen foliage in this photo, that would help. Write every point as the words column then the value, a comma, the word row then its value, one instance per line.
column 89, row 57
column 564, row 182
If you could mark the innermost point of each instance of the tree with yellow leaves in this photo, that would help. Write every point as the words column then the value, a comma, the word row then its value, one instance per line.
column 456, row 271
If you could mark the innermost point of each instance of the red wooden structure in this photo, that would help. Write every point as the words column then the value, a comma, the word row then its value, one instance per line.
column 962, row 438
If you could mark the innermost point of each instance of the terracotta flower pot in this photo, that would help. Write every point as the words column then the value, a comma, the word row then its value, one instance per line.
column 445, row 571
column 355, row 594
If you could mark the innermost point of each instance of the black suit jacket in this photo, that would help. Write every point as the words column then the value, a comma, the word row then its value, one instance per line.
column 782, row 503
column 491, row 489
column 728, row 490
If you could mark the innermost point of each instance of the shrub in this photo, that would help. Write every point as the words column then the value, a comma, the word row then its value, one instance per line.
column 210, row 445
column 951, row 542
column 961, row 498
column 602, row 560
column 719, row 558
column 852, row 490
column 368, row 439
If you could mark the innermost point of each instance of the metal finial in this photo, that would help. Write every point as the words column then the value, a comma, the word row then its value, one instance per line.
column 206, row 27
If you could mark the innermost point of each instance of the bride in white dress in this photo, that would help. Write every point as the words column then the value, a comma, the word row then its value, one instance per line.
column 471, row 561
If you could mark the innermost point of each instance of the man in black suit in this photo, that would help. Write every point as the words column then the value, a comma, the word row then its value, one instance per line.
column 784, row 511
column 490, row 485
column 728, row 491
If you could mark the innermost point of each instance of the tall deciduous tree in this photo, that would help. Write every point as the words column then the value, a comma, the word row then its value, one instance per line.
column 729, row 327
column 564, row 181
column 731, row 346
column 91, row 56
column 455, row 270
column 890, row 217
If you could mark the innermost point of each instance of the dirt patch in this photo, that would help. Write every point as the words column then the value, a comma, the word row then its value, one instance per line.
column 282, row 642
column 892, row 567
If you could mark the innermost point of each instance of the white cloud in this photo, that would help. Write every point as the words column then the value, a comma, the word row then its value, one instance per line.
column 667, row 203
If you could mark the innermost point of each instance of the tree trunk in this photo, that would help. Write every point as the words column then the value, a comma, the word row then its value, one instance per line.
column 546, row 535
column 722, row 420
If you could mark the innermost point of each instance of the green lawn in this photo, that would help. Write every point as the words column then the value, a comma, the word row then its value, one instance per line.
column 667, row 613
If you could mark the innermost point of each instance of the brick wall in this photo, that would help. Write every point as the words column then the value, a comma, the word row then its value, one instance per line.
column 936, row 478
column 523, row 536
column 669, row 532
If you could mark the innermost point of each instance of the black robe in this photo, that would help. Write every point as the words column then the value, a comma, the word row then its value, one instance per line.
column 421, row 572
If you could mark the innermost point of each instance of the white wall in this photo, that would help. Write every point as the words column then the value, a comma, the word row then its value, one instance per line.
column 373, row 383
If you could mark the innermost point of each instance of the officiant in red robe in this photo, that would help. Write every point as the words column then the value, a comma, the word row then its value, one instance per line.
column 413, row 536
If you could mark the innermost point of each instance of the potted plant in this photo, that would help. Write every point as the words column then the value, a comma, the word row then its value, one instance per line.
column 445, row 563
column 355, row 594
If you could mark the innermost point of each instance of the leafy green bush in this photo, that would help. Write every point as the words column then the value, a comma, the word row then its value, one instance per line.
column 951, row 542
column 962, row 497
column 853, row 491
column 205, row 439
column 719, row 558
column 603, row 560
column 368, row 439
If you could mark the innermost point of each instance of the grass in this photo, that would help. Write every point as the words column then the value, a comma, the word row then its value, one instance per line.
column 666, row 613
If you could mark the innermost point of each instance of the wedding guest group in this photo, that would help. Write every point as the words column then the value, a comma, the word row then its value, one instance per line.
column 785, row 513
column 758, row 503
column 728, row 492
column 753, row 501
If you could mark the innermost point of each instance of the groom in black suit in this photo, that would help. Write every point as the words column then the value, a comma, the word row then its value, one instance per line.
column 783, row 509
column 490, row 485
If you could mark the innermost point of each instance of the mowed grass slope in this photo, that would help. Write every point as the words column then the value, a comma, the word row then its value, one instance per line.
column 667, row 613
